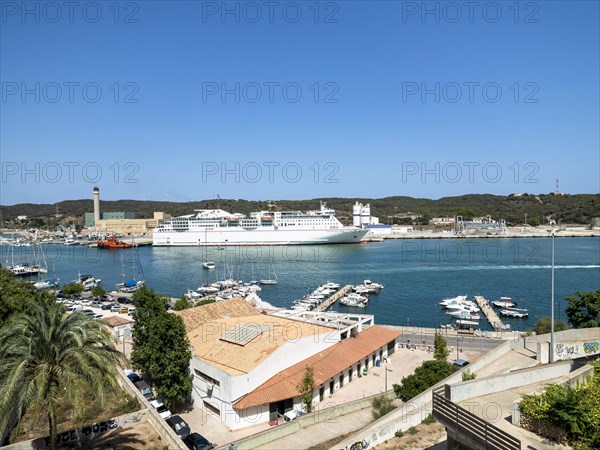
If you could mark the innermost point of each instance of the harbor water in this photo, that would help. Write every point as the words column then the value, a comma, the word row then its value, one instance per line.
column 417, row 274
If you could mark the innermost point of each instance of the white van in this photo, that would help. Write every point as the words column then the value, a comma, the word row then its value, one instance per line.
column 72, row 309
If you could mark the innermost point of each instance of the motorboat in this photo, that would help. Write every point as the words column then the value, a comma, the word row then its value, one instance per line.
column 208, row 265
column 458, row 299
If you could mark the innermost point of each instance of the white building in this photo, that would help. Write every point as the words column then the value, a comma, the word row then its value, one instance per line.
column 442, row 221
column 246, row 365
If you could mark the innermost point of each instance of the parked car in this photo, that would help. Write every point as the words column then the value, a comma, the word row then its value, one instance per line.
column 180, row 427
column 61, row 295
column 97, row 304
column 98, row 316
column 161, row 409
column 293, row 414
column 89, row 312
column 115, row 308
column 145, row 390
column 123, row 310
column 131, row 311
column 134, row 377
column 107, row 298
column 196, row 441
column 108, row 306
column 72, row 309
column 122, row 299
column 461, row 363
column 86, row 302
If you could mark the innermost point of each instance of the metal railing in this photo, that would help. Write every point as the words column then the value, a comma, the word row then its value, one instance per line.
column 469, row 425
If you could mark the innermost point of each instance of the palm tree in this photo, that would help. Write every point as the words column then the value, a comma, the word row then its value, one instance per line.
column 45, row 354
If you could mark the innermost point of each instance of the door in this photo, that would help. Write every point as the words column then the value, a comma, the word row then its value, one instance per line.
column 322, row 393
column 331, row 385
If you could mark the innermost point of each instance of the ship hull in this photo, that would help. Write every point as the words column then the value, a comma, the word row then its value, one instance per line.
column 236, row 237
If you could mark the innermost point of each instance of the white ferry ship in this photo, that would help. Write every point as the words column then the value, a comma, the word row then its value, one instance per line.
column 216, row 227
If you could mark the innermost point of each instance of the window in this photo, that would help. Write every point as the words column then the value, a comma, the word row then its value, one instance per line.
column 206, row 378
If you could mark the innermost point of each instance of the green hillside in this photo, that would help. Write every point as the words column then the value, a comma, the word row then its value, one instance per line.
column 580, row 208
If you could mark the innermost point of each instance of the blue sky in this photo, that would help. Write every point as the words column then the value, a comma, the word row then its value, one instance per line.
column 179, row 101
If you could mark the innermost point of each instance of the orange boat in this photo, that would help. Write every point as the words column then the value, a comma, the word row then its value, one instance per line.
column 113, row 242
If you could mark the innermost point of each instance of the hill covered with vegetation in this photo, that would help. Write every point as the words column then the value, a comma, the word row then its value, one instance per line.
column 580, row 208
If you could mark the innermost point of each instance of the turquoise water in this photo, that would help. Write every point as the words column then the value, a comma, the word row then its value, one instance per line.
column 417, row 274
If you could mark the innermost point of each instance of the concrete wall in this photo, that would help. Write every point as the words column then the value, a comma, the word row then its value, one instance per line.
column 168, row 436
column 413, row 412
column 497, row 383
column 326, row 414
column 568, row 344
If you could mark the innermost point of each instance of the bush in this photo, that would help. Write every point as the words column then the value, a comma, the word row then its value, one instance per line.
column 574, row 410
column 381, row 406
column 543, row 325
column 468, row 375
column 399, row 434
column 425, row 376
column 412, row 430
column 428, row 420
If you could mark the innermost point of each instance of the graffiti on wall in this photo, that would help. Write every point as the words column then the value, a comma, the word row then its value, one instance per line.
column 576, row 350
column 590, row 348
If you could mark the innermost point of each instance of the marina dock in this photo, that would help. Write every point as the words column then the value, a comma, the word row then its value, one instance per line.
column 334, row 298
column 491, row 315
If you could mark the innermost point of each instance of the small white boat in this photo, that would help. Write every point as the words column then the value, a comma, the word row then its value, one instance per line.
column 355, row 300
column 208, row 265
column 447, row 301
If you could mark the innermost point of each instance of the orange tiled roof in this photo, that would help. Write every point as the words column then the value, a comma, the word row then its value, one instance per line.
column 326, row 365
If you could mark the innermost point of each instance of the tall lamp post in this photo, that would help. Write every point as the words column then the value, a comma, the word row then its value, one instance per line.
column 552, row 308
column 386, row 371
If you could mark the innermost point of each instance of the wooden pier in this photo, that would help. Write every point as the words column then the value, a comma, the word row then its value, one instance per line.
column 334, row 298
column 491, row 315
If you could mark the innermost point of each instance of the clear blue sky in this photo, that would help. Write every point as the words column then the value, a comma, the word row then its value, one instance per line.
column 374, row 58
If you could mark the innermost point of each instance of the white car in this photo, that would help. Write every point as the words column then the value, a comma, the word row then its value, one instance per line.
column 161, row 409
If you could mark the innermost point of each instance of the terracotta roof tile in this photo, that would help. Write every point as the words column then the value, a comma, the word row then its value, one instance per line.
column 115, row 321
column 240, row 359
column 235, row 307
column 326, row 365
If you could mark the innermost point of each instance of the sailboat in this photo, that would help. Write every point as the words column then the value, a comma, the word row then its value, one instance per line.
column 133, row 284
column 208, row 265
column 272, row 275
column 48, row 283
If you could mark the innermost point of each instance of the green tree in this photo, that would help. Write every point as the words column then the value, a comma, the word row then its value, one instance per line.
column 584, row 309
column 45, row 354
column 306, row 387
column 543, row 325
column 148, row 305
column 98, row 291
column 533, row 221
column 424, row 376
column 170, row 363
column 466, row 212
column 440, row 348
column 182, row 303
column 72, row 289
column 16, row 295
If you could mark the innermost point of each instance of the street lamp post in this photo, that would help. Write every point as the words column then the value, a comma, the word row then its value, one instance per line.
column 386, row 371
column 552, row 309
